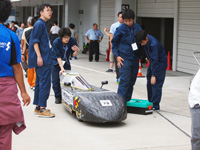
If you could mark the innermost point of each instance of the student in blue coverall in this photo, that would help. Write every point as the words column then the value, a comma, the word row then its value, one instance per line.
column 127, row 54
column 63, row 47
column 39, row 57
column 157, row 67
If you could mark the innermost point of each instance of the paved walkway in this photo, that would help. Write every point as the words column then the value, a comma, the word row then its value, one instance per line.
column 167, row 130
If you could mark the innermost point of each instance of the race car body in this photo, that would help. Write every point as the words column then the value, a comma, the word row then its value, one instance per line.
column 90, row 103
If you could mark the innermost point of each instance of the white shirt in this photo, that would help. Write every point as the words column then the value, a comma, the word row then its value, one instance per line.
column 114, row 26
column 55, row 29
column 194, row 94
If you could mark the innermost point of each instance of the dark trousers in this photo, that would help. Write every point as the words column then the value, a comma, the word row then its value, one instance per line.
column 56, row 78
column 94, row 48
column 195, row 116
column 128, row 76
column 42, row 85
column 116, row 69
column 155, row 91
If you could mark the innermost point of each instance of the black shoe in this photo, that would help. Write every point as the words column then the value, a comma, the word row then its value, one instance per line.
column 109, row 70
column 96, row 60
column 90, row 60
column 58, row 100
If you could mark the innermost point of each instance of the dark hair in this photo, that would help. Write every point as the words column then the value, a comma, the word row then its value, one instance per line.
column 41, row 8
column 143, row 27
column 13, row 22
column 71, row 25
column 128, row 14
column 140, row 36
column 119, row 13
column 16, row 23
column 34, row 20
column 55, row 22
column 94, row 24
column 64, row 32
column 5, row 9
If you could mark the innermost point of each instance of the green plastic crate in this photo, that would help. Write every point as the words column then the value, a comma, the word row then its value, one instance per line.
column 139, row 106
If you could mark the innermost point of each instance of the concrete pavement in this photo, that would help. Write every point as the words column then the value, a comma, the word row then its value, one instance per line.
column 167, row 130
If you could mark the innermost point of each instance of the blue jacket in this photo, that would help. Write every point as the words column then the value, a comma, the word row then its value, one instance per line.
column 59, row 51
column 39, row 35
column 122, row 40
column 156, row 55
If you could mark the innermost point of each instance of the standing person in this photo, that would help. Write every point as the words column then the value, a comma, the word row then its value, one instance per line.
column 113, row 28
column 11, row 75
column 20, row 30
column 126, row 53
column 24, row 57
column 157, row 68
column 63, row 47
column 31, row 74
column 194, row 103
column 74, row 35
column 94, row 37
column 39, row 57
column 54, row 31
column 13, row 27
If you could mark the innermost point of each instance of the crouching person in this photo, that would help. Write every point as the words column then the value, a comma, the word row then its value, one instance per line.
column 63, row 47
column 157, row 67
column 11, row 75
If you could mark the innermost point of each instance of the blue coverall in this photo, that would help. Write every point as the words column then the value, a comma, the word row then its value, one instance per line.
column 60, row 51
column 40, row 35
column 157, row 67
column 121, row 46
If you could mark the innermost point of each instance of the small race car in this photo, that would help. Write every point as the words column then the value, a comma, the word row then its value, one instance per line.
column 90, row 103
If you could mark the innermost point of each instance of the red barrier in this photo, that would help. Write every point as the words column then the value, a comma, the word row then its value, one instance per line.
column 108, row 51
column 169, row 61
column 107, row 55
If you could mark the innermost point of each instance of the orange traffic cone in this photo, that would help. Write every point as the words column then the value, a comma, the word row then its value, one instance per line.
column 140, row 69
column 169, row 62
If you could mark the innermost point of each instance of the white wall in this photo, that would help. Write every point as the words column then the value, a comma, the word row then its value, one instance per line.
column 188, row 35
column 107, row 18
column 19, row 14
column 36, row 2
column 90, row 15
column 155, row 8
column 73, row 13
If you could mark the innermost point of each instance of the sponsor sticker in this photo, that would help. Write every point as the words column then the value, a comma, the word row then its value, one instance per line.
column 105, row 103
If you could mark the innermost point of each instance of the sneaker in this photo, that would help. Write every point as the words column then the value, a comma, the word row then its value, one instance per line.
column 58, row 100
column 36, row 111
column 75, row 57
column 46, row 113
column 109, row 70
column 26, row 74
column 118, row 81
column 70, row 58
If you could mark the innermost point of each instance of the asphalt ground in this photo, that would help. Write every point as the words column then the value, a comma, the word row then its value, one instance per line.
column 168, row 129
